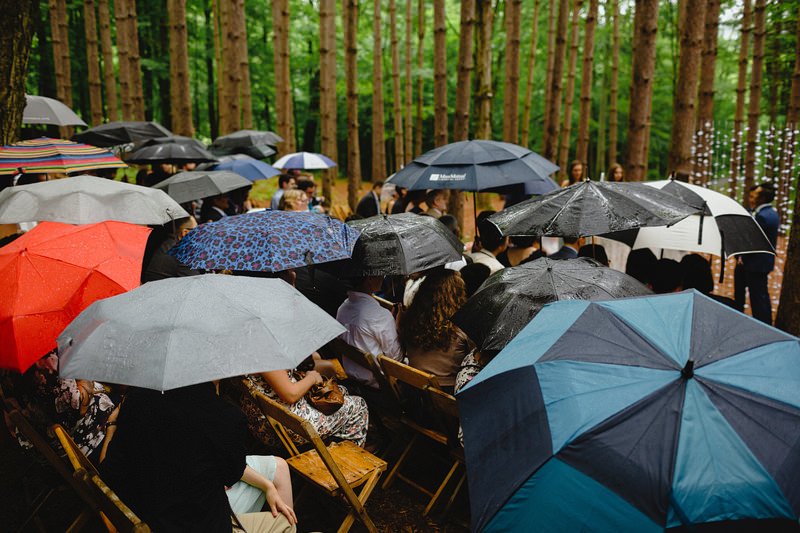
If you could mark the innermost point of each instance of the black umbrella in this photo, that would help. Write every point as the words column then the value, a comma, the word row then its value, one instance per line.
column 592, row 208
column 117, row 133
column 174, row 149
column 399, row 245
column 510, row 298
column 256, row 144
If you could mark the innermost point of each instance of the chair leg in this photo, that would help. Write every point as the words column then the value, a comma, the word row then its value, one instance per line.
column 441, row 488
column 37, row 505
column 454, row 494
column 393, row 472
column 79, row 523
column 366, row 490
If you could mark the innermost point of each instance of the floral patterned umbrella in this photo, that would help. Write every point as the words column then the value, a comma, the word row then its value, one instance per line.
column 266, row 241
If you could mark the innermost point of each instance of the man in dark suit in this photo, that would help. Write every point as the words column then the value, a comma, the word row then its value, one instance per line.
column 569, row 250
column 370, row 204
column 752, row 270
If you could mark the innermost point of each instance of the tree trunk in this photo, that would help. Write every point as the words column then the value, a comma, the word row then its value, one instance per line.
column 61, row 59
column 351, row 80
column 513, row 14
column 526, row 113
column 128, row 52
column 483, row 69
column 135, row 59
column 683, row 117
column 600, row 163
column 123, row 50
column 551, row 134
column 378, row 114
column 613, row 117
column 754, row 105
column 585, row 113
column 231, row 74
column 551, row 55
column 93, row 63
column 705, row 106
column 180, row 97
column 409, row 125
column 741, row 94
column 327, row 89
column 224, row 110
column 211, row 94
column 420, row 78
column 439, row 73
column 455, row 202
column 645, row 27
column 245, row 90
column 16, row 37
column 788, row 316
column 112, row 105
column 284, row 103
column 397, row 99
column 790, row 136
column 569, row 96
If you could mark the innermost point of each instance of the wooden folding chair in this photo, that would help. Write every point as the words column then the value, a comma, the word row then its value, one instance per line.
column 115, row 514
column 337, row 469
column 447, row 410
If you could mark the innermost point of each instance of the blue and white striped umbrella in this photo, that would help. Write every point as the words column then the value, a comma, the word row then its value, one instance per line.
column 304, row 161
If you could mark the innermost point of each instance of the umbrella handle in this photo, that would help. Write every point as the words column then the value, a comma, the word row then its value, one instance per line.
column 700, row 227
column 722, row 256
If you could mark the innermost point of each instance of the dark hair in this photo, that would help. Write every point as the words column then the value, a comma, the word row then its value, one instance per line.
column 451, row 223
column 667, row 276
column 377, row 184
column 523, row 241
column 283, row 179
column 431, row 195
column 766, row 194
column 305, row 184
column 491, row 239
column 569, row 239
column 426, row 323
column 594, row 251
column 697, row 273
column 612, row 170
column 474, row 274
column 640, row 264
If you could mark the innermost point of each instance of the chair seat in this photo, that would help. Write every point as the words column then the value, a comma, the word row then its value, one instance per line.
column 356, row 464
column 432, row 434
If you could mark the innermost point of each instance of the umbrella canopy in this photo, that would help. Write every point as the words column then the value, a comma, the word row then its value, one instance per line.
column 43, row 110
column 722, row 228
column 246, row 166
column 592, row 208
column 52, row 273
column 510, row 298
column 180, row 331
column 636, row 415
column 117, row 133
column 400, row 245
column 478, row 165
column 187, row 186
column 174, row 149
column 266, row 241
column 55, row 155
column 86, row 200
column 244, row 139
column 304, row 161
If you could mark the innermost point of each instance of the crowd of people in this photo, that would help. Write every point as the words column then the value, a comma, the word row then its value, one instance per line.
column 180, row 459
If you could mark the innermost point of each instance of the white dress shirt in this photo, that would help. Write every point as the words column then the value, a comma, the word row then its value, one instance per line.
column 485, row 257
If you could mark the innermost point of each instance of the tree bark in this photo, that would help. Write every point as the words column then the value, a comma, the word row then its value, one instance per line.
column 245, row 90
column 59, row 25
column 180, row 97
column 512, row 18
column 613, row 117
column 585, row 113
column 327, row 86
column 408, row 121
column 526, row 113
column 397, row 99
column 351, row 80
column 483, row 69
column 420, row 79
column 683, row 117
column 109, row 76
column 125, row 89
column 439, row 73
column 16, row 37
column 788, row 316
column 790, row 136
column 223, row 110
column 741, row 94
column 378, row 114
column 551, row 134
column 93, row 63
column 129, row 60
column 551, row 55
column 754, row 104
column 284, row 102
column 705, row 106
column 465, row 68
column 645, row 27
column 231, row 74
column 569, row 96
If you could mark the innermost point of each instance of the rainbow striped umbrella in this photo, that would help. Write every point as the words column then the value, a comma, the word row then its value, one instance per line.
column 54, row 155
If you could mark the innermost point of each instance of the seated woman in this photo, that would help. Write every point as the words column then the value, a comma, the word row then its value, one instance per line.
column 293, row 200
column 432, row 343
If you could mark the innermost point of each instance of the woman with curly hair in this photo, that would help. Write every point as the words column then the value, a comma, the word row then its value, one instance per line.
column 431, row 342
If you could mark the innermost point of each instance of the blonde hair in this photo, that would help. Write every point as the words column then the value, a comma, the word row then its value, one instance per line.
column 289, row 198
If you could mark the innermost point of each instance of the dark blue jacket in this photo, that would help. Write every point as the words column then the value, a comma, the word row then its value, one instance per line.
column 564, row 253
column 767, row 217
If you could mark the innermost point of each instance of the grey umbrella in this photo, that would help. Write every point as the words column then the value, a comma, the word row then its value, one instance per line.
column 43, row 110
column 181, row 331
column 118, row 133
column 187, row 186
column 175, row 149
column 86, row 200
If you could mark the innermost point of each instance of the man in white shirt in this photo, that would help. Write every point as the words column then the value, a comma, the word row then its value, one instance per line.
column 492, row 245
column 370, row 328
column 285, row 182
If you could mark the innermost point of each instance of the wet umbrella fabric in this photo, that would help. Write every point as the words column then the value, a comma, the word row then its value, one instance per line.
column 187, row 186
column 638, row 414
column 118, row 133
column 400, row 245
column 478, row 165
column 180, row 331
column 233, row 142
column 52, row 273
column 511, row 298
column 55, row 155
column 86, row 200
column 592, row 208
column 176, row 150
column 266, row 241
column 44, row 110
column 246, row 166
column 304, row 161
column 723, row 228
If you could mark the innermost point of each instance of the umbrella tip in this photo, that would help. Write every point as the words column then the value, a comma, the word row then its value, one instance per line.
column 687, row 372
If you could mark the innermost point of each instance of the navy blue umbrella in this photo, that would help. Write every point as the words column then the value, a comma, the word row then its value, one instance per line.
column 635, row 415
column 266, row 241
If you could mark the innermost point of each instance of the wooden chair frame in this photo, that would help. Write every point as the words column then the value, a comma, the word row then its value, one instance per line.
column 447, row 409
column 282, row 421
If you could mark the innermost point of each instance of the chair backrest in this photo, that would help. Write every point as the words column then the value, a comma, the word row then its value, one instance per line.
column 117, row 516
column 75, row 455
column 447, row 410
column 397, row 372
column 386, row 304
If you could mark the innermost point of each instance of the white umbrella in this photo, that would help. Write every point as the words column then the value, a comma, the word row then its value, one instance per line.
column 44, row 110
column 87, row 200
column 304, row 161
column 180, row 331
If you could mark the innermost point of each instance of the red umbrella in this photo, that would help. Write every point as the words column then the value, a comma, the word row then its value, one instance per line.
column 55, row 271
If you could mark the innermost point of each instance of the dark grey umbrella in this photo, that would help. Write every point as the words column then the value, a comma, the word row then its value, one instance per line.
column 117, row 133
column 592, row 208
column 510, row 298
column 175, row 149
column 187, row 186
column 256, row 144
column 399, row 245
